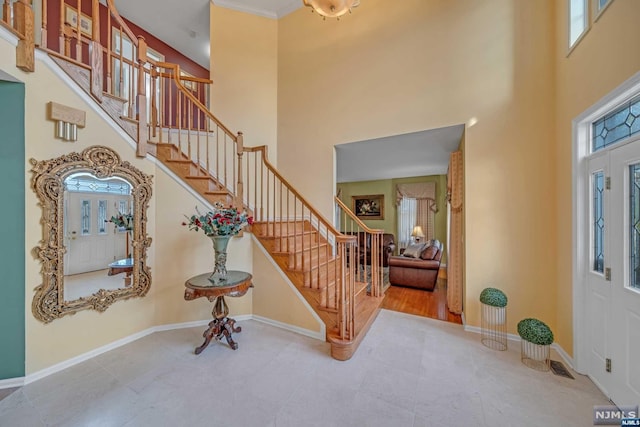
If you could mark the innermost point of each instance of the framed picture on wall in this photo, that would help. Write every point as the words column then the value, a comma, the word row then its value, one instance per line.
column 71, row 19
column 368, row 207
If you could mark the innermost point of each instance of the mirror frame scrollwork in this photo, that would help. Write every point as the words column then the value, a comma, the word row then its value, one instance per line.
column 48, row 183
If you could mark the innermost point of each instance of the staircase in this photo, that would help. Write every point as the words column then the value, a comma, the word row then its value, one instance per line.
column 173, row 123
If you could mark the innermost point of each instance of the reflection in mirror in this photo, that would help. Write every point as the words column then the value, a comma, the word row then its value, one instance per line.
column 95, row 241
column 97, row 234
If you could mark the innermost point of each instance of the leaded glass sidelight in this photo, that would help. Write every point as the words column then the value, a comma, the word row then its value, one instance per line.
column 597, row 183
column 634, row 226
column 617, row 125
column 102, row 217
column 85, row 216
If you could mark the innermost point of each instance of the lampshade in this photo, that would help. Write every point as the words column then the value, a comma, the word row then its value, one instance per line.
column 417, row 231
column 331, row 8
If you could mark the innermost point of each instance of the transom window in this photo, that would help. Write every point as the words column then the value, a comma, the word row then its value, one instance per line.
column 89, row 184
column 616, row 126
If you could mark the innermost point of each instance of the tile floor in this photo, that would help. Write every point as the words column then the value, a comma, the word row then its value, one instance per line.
column 409, row 371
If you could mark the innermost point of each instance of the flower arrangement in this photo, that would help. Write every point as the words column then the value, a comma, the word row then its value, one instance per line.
column 219, row 222
column 124, row 221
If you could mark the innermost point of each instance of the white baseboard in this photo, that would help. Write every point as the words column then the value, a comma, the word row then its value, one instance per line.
column 20, row 381
column 298, row 330
column 12, row 382
column 86, row 356
column 516, row 338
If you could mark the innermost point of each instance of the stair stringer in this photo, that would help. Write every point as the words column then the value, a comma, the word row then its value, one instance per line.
column 111, row 105
column 299, row 316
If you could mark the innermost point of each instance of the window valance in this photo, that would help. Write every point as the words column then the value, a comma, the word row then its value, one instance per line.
column 418, row 191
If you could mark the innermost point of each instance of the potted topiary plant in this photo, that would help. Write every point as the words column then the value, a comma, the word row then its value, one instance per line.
column 495, row 298
column 538, row 336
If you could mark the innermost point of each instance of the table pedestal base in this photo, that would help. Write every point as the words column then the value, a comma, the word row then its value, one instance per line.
column 236, row 284
column 220, row 326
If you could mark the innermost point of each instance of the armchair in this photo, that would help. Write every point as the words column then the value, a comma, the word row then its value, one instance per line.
column 420, row 269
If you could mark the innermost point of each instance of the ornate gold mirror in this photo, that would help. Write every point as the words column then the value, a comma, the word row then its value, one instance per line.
column 95, row 242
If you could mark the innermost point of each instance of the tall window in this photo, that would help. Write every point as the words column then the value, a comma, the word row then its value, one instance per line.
column 578, row 20
column 600, row 6
column 407, row 216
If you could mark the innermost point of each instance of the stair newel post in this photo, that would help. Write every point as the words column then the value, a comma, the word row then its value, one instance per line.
column 239, row 199
column 341, row 290
column 95, row 53
column 23, row 23
column 141, row 99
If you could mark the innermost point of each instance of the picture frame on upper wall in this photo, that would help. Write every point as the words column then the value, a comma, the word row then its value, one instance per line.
column 71, row 19
column 368, row 207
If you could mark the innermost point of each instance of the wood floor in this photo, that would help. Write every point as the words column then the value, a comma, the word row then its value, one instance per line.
column 421, row 302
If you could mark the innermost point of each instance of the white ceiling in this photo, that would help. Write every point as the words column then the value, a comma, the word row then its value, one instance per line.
column 413, row 154
column 184, row 24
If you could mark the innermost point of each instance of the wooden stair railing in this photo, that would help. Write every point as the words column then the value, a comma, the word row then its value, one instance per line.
column 350, row 224
column 179, row 117
column 176, row 126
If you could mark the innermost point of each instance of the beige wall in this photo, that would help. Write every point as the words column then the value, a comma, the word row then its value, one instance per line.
column 428, row 64
column 175, row 253
column 244, row 70
column 73, row 335
column 378, row 72
column 181, row 253
column 607, row 56
column 274, row 299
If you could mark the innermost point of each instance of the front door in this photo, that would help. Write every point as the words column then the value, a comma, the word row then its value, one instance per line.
column 625, row 274
column 613, row 276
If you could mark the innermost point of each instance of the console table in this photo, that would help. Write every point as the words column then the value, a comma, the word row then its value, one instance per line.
column 122, row 266
column 236, row 284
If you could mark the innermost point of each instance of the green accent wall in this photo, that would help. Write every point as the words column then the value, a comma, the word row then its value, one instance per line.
column 388, row 187
column 12, row 262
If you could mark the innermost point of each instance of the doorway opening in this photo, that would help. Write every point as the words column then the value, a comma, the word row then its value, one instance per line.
column 377, row 170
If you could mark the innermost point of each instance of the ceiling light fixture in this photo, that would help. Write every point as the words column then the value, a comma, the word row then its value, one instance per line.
column 331, row 8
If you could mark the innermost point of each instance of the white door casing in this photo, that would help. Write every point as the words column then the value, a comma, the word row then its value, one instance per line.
column 621, row 343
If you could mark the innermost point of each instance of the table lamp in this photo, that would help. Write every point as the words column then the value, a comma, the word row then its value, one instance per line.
column 417, row 233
